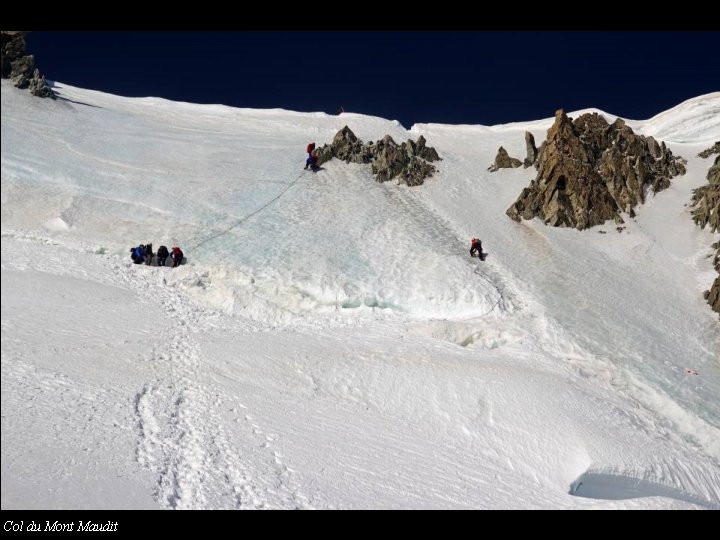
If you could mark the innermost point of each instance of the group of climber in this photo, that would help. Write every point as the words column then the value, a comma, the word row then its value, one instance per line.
column 144, row 254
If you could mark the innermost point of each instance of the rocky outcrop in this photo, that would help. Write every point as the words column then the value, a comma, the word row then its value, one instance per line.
column 714, row 149
column 420, row 149
column 407, row 161
column 12, row 48
column 532, row 151
column 20, row 67
column 590, row 171
column 713, row 174
column 706, row 211
column 705, row 201
column 504, row 161
column 713, row 295
column 347, row 147
column 39, row 87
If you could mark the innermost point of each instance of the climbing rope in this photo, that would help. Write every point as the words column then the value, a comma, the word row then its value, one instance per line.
column 245, row 218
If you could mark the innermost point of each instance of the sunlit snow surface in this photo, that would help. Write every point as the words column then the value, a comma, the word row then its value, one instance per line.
column 329, row 342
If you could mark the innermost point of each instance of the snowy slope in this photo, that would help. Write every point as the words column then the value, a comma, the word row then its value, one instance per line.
column 330, row 343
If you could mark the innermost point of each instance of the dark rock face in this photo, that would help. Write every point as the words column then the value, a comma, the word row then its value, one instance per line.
column 21, row 70
column 714, row 149
column 420, row 149
column 532, row 151
column 713, row 174
column 39, row 87
column 504, row 161
column 407, row 161
column 713, row 295
column 347, row 147
column 706, row 211
column 20, row 67
column 12, row 47
column 590, row 171
column 389, row 159
column 706, row 200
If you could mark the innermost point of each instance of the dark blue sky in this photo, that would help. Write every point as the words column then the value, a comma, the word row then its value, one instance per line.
column 448, row 77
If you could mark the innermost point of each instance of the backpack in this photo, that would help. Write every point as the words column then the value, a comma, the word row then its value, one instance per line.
column 177, row 252
column 310, row 147
column 162, row 252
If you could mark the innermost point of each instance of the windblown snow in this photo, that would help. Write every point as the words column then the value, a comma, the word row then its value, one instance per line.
column 329, row 342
